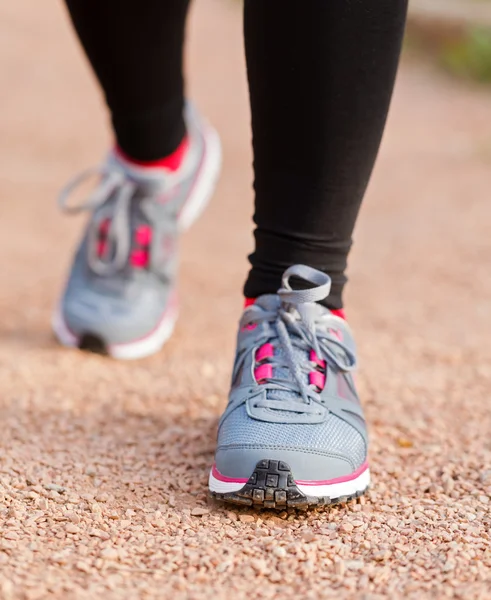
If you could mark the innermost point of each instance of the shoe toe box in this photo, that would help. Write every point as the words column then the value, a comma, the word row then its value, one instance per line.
column 115, row 320
column 321, row 451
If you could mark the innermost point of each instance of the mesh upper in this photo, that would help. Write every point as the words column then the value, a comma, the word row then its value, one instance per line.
column 332, row 436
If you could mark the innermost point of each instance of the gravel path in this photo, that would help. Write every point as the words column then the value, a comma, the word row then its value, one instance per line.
column 103, row 465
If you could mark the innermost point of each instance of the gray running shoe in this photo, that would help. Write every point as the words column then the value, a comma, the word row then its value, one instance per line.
column 121, row 292
column 293, row 433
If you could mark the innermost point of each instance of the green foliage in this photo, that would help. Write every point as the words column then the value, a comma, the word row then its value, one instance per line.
column 470, row 55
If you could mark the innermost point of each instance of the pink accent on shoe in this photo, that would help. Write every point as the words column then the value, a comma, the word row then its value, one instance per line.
column 339, row 312
column 217, row 475
column 252, row 326
column 171, row 162
column 318, row 379
column 354, row 475
column 143, row 235
column 139, row 258
column 337, row 333
column 104, row 227
column 102, row 248
column 344, row 390
column 315, row 359
column 265, row 351
column 263, row 372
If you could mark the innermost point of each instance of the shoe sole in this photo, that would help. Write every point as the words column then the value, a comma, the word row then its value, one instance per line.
column 141, row 348
column 272, row 485
column 195, row 205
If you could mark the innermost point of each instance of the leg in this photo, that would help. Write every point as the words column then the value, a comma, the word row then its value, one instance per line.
column 136, row 51
column 321, row 79
column 121, row 291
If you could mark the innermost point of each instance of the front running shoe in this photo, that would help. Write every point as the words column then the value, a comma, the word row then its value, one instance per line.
column 293, row 433
column 121, row 292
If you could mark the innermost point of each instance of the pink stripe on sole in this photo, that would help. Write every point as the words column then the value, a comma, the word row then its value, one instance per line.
column 343, row 479
column 217, row 475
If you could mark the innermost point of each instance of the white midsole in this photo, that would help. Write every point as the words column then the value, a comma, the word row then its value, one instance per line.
column 193, row 208
column 332, row 490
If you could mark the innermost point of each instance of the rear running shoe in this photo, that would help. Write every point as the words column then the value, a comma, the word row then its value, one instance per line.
column 293, row 433
column 120, row 297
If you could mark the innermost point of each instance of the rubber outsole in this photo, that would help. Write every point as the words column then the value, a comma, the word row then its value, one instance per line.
column 92, row 343
column 272, row 485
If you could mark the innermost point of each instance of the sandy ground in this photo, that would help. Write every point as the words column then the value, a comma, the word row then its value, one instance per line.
column 104, row 465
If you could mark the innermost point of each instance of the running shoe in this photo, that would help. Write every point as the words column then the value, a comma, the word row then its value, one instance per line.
column 293, row 433
column 120, row 297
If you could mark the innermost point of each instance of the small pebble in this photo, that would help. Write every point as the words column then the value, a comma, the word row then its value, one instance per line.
column 55, row 488
column 404, row 442
column 72, row 528
column 355, row 565
column 279, row 552
column 448, row 566
column 246, row 519
column 199, row 511
column 109, row 553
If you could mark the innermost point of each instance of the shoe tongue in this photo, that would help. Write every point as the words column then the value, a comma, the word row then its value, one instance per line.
column 272, row 302
column 269, row 302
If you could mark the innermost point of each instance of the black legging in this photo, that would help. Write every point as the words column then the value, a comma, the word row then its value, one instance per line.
column 321, row 74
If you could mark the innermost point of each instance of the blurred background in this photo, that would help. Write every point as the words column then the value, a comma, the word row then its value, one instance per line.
column 455, row 34
column 419, row 300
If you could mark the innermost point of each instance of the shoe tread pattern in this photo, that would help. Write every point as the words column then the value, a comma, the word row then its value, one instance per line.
column 271, row 485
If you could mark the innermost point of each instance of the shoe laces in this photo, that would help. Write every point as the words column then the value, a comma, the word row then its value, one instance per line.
column 114, row 186
column 295, row 328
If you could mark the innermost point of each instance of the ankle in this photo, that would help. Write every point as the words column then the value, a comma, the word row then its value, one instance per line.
column 172, row 162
